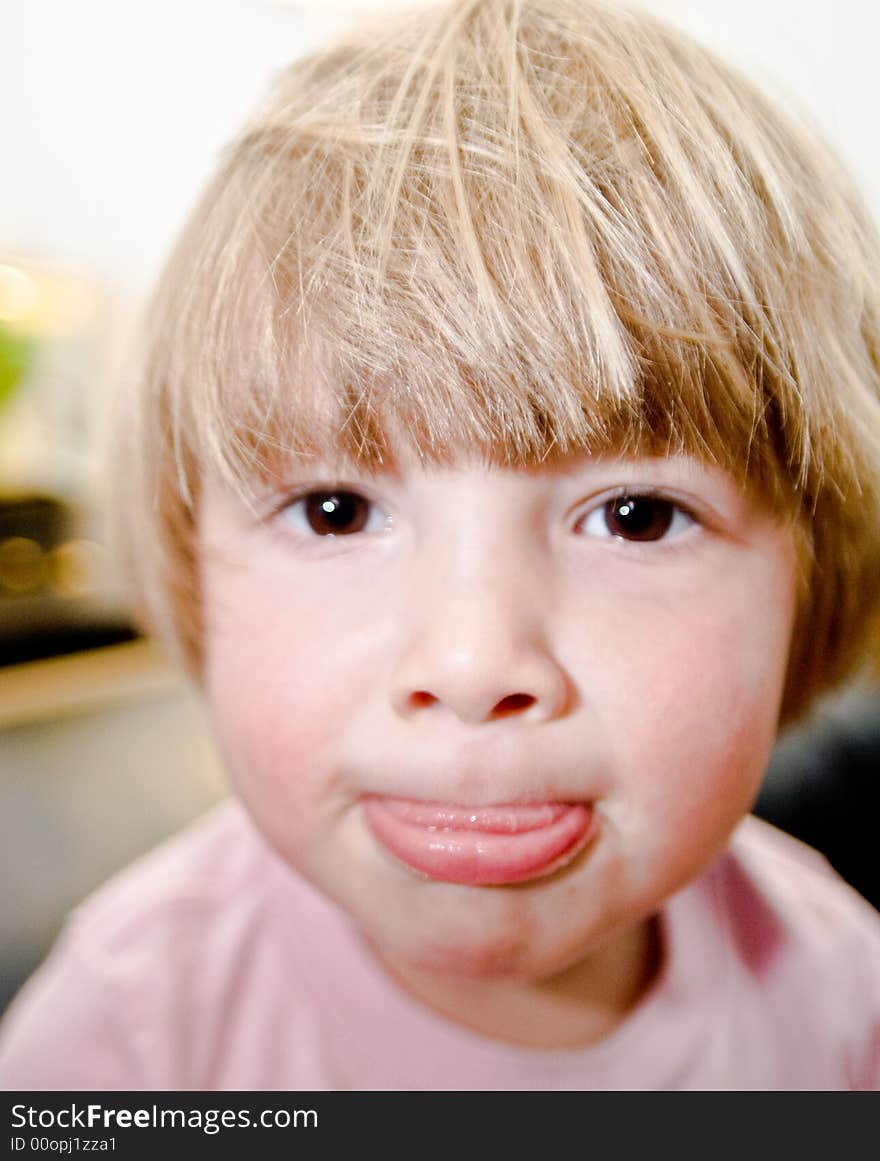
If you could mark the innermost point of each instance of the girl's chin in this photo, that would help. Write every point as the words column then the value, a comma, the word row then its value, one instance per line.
column 507, row 958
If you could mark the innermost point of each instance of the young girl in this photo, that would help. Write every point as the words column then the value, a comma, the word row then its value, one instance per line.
column 506, row 468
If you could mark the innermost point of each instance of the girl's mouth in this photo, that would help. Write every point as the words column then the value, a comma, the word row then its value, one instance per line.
column 480, row 846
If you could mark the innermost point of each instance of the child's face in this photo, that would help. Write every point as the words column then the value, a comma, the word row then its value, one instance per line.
column 608, row 639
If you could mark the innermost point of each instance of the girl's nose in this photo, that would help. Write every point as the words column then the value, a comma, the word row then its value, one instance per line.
column 477, row 650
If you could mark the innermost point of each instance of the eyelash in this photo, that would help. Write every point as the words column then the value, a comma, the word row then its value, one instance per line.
column 674, row 517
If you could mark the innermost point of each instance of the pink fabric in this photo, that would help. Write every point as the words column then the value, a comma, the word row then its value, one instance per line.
column 209, row 965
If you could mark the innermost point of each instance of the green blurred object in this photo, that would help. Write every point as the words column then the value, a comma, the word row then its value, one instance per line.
column 16, row 353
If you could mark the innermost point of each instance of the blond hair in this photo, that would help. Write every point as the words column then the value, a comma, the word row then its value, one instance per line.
column 530, row 228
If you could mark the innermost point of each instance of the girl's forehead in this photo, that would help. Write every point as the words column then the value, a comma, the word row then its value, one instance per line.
column 405, row 466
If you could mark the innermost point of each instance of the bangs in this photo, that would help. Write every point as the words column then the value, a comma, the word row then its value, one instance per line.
column 496, row 235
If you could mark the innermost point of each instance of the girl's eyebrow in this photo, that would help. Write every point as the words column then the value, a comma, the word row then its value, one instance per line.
column 678, row 466
column 321, row 468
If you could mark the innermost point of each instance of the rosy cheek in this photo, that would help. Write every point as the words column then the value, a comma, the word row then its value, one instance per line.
column 271, row 731
column 714, row 724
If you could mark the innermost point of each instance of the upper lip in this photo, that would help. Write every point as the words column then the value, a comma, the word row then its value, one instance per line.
column 510, row 772
column 540, row 799
column 479, row 788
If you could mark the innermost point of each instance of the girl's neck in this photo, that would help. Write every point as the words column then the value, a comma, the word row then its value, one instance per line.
column 574, row 1009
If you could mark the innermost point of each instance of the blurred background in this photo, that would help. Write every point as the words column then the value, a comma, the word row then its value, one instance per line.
column 112, row 113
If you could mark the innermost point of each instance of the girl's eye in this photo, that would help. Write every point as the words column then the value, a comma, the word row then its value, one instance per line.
column 334, row 513
column 635, row 517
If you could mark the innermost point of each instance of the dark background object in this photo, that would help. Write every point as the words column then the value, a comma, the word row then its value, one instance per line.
column 42, row 613
column 823, row 786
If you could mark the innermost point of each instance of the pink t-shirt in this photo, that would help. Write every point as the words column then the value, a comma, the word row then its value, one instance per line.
column 210, row 965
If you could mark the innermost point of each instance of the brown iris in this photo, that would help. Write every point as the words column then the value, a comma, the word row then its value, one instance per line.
column 639, row 517
column 336, row 513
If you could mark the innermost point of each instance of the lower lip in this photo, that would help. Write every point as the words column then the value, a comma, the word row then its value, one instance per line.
column 480, row 846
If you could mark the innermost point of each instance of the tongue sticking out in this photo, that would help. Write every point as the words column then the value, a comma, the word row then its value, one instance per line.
column 480, row 846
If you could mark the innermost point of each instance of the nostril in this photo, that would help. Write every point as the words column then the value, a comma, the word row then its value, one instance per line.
column 514, row 703
column 421, row 699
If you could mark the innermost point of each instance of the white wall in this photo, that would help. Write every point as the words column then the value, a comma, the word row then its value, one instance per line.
column 114, row 110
